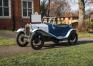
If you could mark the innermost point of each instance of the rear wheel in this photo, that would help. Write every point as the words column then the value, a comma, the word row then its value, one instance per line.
column 73, row 38
column 21, row 39
column 37, row 41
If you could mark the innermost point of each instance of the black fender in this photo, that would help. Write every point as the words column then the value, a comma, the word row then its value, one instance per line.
column 73, row 37
column 70, row 32
column 36, row 38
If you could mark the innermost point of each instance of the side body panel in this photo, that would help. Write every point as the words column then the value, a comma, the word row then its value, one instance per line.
column 43, row 27
column 50, row 30
column 59, row 30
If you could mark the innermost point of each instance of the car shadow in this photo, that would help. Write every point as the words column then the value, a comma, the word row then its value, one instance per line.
column 51, row 45
column 65, row 44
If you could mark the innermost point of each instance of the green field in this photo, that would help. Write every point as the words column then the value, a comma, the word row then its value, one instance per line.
column 85, row 35
column 7, row 42
column 77, row 55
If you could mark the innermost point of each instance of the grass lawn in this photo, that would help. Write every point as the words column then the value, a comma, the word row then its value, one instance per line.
column 7, row 37
column 7, row 42
column 78, row 55
column 85, row 35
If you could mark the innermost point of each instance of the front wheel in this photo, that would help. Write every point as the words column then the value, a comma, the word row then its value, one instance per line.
column 73, row 38
column 37, row 41
column 21, row 39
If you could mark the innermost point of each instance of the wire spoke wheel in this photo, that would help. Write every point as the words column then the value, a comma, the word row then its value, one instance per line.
column 21, row 40
column 73, row 38
column 37, row 41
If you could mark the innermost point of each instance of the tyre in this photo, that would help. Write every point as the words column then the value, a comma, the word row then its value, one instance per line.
column 21, row 39
column 37, row 41
column 56, row 41
column 73, row 38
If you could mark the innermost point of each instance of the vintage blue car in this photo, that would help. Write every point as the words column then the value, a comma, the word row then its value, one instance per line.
column 37, row 34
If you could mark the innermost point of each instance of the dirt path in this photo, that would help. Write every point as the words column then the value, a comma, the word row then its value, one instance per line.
column 13, row 50
column 7, row 34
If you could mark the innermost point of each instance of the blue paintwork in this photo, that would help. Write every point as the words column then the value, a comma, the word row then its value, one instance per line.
column 58, row 30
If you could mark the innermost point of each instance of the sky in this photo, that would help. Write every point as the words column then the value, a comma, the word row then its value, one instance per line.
column 75, row 7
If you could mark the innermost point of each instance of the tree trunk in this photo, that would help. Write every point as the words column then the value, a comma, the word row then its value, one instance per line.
column 81, row 25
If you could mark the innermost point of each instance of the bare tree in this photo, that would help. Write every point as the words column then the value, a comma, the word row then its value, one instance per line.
column 82, row 5
column 43, row 8
column 59, row 7
column 63, row 8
